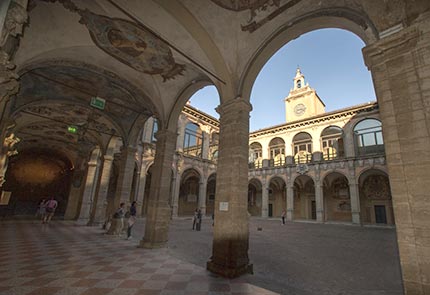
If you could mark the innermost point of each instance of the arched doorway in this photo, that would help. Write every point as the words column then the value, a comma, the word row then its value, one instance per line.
column 189, row 193
column 277, row 197
column 304, row 198
column 375, row 198
column 337, row 202
column 210, row 194
column 34, row 175
column 254, row 197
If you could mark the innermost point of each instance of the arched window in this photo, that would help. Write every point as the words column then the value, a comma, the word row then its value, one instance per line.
column 368, row 137
column 154, row 130
column 302, row 146
column 332, row 143
column 277, row 151
column 299, row 84
column 255, row 155
column 193, row 141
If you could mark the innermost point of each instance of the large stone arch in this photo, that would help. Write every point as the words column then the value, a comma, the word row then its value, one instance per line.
column 304, row 197
column 337, row 199
column 255, row 202
column 343, row 18
column 189, row 191
column 375, row 197
column 277, row 196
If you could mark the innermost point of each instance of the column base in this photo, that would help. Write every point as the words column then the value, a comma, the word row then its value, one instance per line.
column 356, row 218
column 229, row 272
column 83, row 221
column 151, row 245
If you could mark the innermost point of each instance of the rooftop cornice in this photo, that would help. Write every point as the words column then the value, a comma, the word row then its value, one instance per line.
column 201, row 116
column 346, row 112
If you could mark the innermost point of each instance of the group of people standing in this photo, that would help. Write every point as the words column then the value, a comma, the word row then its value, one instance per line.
column 118, row 219
column 46, row 209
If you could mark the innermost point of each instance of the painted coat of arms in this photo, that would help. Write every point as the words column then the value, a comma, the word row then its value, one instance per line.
column 132, row 45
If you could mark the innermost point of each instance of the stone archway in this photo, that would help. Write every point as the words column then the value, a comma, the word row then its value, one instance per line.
column 375, row 198
column 210, row 194
column 304, row 198
column 336, row 194
column 255, row 197
column 189, row 193
column 277, row 199
column 34, row 175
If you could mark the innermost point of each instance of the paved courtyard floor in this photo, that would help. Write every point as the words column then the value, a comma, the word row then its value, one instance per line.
column 298, row 258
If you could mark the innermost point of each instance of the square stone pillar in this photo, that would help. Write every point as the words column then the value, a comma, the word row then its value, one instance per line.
column 400, row 65
column 101, row 200
column 202, row 195
column 355, row 202
column 158, row 217
column 89, row 191
column 175, row 193
column 290, row 202
column 231, row 232
column 264, row 200
column 319, row 202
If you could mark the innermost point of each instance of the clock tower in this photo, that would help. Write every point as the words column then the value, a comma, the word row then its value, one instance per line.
column 302, row 101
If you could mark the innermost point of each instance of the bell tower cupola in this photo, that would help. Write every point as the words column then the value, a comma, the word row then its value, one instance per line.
column 302, row 102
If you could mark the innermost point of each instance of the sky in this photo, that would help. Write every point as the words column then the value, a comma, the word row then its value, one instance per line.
column 332, row 63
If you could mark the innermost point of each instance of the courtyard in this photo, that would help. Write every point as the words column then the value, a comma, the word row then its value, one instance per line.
column 298, row 258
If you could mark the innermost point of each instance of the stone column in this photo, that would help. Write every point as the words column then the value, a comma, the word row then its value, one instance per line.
column 290, row 202
column 355, row 201
column 89, row 190
column 141, row 190
column 231, row 233
column 203, row 184
column 182, row 123
column 264, row 200
column 125, row 176
column 125, row 179
column 319, row 201
column 175, row 193
column 206, row 140
column 400, row 65
column 101, row 203
column 158, row 217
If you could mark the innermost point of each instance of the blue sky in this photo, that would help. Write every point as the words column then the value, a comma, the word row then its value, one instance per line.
column 332, row 63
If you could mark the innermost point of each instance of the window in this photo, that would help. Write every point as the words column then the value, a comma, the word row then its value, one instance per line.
column 255, row 155
column 302, row 147
column 277, row 152
column 299, row 84
column 193, row 140
column 368, row 137
column 154, row 130
column 332, row 142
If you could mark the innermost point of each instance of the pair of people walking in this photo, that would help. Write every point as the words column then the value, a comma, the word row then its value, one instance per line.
column 197, row 219
column 46, row 209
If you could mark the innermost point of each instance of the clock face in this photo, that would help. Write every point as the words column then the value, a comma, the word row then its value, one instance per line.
column 299, row 109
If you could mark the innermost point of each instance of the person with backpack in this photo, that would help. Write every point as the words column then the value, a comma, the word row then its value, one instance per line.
column 50, row 207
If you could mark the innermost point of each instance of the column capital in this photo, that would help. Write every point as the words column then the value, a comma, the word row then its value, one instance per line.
column 235, row 104
column 390, row 47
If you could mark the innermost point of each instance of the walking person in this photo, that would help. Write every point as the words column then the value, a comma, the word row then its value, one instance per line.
column 199, row 220
column 50, row 207
column 195, row 218
column 40, row 212
column 118, row 219
column 283, row 216
column 131, row 219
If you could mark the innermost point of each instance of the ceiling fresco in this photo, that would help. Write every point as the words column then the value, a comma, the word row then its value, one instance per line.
column 128, row 42
column 261, row 11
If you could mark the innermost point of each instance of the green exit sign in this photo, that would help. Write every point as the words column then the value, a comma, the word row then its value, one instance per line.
column 98, row 102
column 72, row 129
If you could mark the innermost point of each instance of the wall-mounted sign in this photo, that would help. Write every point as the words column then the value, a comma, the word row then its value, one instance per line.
column 98, row 102
column 223, row 206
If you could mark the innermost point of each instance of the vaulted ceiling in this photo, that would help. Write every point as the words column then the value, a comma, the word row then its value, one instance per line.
column 147, row 57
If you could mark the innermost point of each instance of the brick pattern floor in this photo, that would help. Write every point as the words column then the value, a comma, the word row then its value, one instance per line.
column 63, row 259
